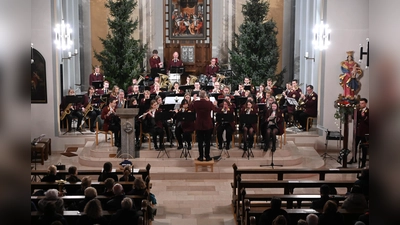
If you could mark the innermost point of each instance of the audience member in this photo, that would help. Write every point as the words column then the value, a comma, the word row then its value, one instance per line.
column 93, row 214
column 90, row 193
column 270, row 214
column 356, row 200
column 364, row 218
column 330, row 215
column 324, row 192
column 128, row 176
column 124, row 163
column 125, row 215
column 51, row 196
column 108, row 187
column 139, row 187
column 85, row 183
column 50, row 215
column 301, row 222
column 359, row 223
column 312, row 219
column 107, row 168
column 115, row 203
column 363, row 182
column 279, row 220
column 73, row 172
column 52, row 175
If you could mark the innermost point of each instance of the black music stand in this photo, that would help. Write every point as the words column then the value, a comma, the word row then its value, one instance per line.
column 222, row 119
column 248, row 119
column 207, row 88
column 247, row 87
column 186, row 87
column 167, row 108
column 163, row 116
column 185, row 117
column 215, row 95
column 195, row 92
column 331, row 135
column 97, row 84
column 74, row 99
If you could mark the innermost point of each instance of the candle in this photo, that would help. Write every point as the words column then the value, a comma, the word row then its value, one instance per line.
column 69, row 54
column 306, row 55
column 76, row 51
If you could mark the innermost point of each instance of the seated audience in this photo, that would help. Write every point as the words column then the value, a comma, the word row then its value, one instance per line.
column 312, row 219
column 73, row 172
column 128, row 176
column 270, row 214
column 301, row 222
column 356, row 200
column 85, row 183
column 363, row 182
column 90, row 193
column 51, row 196
column 330, row 215
column 279, row 220
column 115, row 203
column 108, row 190
column 93, row 214
column 52, row 175
column 107, row 168
column 324, row 192
column 125, row 215
column 139, row 187
column 51, row 215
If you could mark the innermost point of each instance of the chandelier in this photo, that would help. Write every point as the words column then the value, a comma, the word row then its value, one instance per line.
column 322, row 36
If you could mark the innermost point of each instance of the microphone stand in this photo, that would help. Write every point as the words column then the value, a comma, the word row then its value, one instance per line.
column 272, row 162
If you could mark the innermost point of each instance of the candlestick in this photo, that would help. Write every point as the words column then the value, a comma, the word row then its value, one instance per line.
column 76, row 51
column 69, row 54
column 306, row 55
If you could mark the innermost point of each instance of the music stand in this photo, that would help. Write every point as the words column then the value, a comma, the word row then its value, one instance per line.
column 186, row 87
column 223, row 119
column 261, row 107
column 167, row 107
column 185, row 117
column 34, row 143
column 247, row 87
column 74, row 99
column 97, row 84
column 195, row 92
column 215, row 95
column 163, row 116
column 331, row 135
column 174, row 69
column 207, row 88
column 248, row 119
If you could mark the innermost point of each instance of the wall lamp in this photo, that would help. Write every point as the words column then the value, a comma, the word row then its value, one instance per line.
column 364, row 53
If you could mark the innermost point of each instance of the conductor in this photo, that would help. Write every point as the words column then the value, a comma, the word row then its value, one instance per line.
column 203, row 124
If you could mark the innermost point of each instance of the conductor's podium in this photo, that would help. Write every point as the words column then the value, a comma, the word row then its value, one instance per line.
column 206, row 164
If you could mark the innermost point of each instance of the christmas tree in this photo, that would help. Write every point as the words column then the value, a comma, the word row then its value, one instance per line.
column 255, row 53
column 122, row 56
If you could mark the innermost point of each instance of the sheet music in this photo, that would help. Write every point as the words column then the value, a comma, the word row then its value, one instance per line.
column 292, row 101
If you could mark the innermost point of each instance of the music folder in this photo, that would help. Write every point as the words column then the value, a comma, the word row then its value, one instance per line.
column 292, row 101
column 74, row 99
column 240, row 100
column 186, row 87
column 247, row 87
column 97, row 84
column 167, row 108
column 222, row 117
column 164, row 116
column 185, row 116
column 248, row 118
column 207, row 88
column 172, row 93
column 195, row 92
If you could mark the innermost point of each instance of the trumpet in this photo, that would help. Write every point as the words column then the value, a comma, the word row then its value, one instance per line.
column 66, row 111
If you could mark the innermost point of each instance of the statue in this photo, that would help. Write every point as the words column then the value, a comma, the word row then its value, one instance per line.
column 349, row 79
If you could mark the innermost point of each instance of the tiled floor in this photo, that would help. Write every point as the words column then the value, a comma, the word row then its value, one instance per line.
column 199, row 201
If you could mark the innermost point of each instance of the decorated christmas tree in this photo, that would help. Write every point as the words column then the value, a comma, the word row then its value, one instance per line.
column 122, row 56
column 255, row 52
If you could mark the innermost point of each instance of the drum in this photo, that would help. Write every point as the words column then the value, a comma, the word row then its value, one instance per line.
column 203, row 80
column 175, row 77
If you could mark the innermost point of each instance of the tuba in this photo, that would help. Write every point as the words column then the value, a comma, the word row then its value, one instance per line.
column 193, row 79
column 164, row 81
column 66, row 111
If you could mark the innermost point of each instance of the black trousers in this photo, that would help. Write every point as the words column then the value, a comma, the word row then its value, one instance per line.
column 204, row 136
column 363, row 149
column 158, row 132
column 186, row 136
column 228, row 128
column 271, row 133
column 167, row 131
column 93, row 115
column 77, row 114
column 116, row 129
column 302, row 118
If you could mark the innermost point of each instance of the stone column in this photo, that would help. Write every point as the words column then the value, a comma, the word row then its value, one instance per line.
column 128, row 131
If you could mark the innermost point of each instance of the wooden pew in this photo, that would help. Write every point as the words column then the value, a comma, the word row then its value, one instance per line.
column 281, row 172
column 95, row 173
column 295, row 214
column 288, row 187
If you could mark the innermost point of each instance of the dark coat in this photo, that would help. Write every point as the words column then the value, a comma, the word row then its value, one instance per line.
column 311, row 104
column 279, row 119
column 203, row 110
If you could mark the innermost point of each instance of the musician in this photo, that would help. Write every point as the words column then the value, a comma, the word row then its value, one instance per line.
column 150, row 125
column 247, row 93
column 112, row 121
column 216, row 88
column 269, row 88
column 96, row 75
column 231, row 104
column 155, row 64
column 212, row 69
column 184, row 128
column 274, row 120
column 310, row 107
column 75, row 111
column 248, row 83
column 157, row 89
column 229, row 127
column 248, row 129
column 196, row 86
column 105, row 90
column 212, row 81
column 295, row 86
column 121, row 99
column 175, row 62
column 240, row 91
column 293, row 92
column 269, row 102
column 114, row 92
column 261, row 95
column 175, row 88
column 156, row 81
column 134, row 103
column 361, row 131
column 203, row 124
column 132, row 87
column 89, row 98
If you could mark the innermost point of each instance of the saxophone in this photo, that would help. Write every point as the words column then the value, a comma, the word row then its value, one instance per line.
column 88, row 109
column 66, row 111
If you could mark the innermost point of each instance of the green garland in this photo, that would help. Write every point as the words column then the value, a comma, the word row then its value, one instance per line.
column 344, row 107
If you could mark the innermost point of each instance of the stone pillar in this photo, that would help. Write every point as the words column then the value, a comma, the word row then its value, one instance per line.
column 128, row 131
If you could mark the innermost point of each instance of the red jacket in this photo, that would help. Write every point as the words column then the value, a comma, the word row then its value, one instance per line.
column 154, row 62
column 158, row 122
column 186, row 126
column 311, row 104
column 362, row 123
column 93, row 77
column 279, row 119
column 107, row 119
column 211, row 71
column 203, row 110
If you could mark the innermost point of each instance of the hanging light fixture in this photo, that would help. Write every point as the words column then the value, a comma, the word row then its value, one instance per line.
column 322, row 36
column 63, row 31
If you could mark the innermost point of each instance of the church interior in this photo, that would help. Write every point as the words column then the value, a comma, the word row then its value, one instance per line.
column 189, row 191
